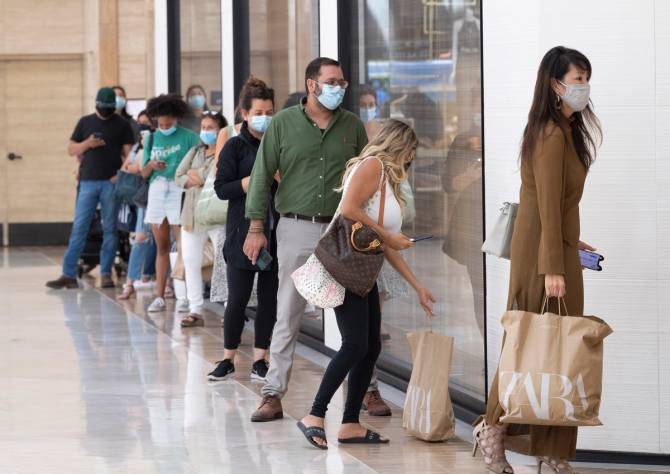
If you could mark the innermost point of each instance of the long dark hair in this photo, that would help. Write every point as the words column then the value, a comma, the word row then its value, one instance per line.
column 586, row 131
column 124, row 112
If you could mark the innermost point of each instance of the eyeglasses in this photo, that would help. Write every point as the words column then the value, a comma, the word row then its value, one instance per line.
column 334, row 82
column 211, row 112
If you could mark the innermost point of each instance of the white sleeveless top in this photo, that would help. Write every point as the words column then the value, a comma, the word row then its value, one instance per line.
column 392, row 209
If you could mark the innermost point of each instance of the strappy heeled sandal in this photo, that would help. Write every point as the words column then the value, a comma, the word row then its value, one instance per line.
column 558, row 466
column 490, row 441
column 192, row 320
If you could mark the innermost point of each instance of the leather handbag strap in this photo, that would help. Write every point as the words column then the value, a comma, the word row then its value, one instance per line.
column 382, row 202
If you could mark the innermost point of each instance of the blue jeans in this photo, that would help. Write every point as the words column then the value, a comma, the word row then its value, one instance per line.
column 142, row 261
column 90, row 194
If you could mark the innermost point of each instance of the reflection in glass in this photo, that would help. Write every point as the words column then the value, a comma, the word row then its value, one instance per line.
column 200, row 30
column 284, row 39
column 419, row 61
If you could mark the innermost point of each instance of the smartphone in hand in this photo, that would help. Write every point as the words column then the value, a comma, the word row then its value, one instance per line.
column 591, row 260
column 419, row 238
column 264, row 259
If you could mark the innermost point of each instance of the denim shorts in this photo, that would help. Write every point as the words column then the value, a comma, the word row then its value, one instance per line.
column 164, row 202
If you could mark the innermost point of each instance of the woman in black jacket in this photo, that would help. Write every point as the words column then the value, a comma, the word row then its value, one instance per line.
column 236, row 161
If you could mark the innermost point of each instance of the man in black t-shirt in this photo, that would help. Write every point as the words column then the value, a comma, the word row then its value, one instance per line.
column 102, row 141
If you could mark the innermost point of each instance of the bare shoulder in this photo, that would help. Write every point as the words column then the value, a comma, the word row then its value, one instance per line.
column 370, row 168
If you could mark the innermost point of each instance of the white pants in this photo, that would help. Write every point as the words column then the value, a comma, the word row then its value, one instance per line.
column 178, row 285
column 192, row 252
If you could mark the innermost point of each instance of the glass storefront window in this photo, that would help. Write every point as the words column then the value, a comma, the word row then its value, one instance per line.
column 283, row 39
column 200, row 41
column 420, row 61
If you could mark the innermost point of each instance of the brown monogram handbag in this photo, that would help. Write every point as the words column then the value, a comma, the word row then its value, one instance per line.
column 352, row 252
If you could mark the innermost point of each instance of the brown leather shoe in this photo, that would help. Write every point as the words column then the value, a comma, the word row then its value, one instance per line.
column 63, row 282
column 375, row 405
column 269, row 410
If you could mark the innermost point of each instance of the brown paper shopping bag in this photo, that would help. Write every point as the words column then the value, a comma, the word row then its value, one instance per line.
column 428, row 414
column 551, row 369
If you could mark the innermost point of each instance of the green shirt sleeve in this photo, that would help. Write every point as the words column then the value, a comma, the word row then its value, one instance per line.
column 265, row 166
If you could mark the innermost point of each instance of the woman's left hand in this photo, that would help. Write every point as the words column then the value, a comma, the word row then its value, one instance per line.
column 585, row 246
column 426, row 299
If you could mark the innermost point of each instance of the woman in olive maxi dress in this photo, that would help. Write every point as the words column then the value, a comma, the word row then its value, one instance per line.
column 557, row 151
column 545, row 241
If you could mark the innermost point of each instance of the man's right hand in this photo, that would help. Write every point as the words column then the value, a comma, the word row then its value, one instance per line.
column 253, row 245
column 94, row 142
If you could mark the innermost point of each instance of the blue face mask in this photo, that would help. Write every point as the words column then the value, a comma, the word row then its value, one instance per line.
column 120, row 102
column 331, row 96
column 197, row 101
column 168, row 131
column 260, row 123
column 208, row 137
column 368, row 114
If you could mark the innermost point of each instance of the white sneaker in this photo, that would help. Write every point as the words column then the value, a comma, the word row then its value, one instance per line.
column 157, row 305
column 182, row 306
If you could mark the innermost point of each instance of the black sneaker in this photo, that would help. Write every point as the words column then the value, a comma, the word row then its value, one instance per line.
column 259, row 370
column 223, row 371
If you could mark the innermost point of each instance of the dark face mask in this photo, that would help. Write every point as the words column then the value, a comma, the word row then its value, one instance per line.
column 105, row 113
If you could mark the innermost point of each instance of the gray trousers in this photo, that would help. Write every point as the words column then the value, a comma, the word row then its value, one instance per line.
column 296, row 240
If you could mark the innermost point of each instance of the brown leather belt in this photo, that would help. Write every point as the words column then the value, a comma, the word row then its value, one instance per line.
column 314, row 219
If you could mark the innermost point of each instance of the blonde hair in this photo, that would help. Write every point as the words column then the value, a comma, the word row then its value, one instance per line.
column 395, row 145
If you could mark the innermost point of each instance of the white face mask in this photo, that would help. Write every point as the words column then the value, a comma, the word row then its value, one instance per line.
column 576, row 95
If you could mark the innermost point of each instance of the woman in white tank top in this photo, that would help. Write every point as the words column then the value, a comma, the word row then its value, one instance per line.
column 382, row 167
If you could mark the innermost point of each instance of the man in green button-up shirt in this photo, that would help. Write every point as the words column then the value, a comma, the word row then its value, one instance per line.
column 308, row 145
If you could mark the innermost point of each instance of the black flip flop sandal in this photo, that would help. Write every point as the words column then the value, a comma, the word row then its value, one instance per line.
column 370, row 438
column 311, row 433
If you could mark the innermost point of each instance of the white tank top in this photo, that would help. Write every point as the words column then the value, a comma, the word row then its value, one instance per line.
column 392, row 210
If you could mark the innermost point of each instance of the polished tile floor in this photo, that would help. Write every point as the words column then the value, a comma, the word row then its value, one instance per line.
column 90, row 385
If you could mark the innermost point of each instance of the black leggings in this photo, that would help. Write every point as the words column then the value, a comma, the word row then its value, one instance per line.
column 240, row 285
column 359, row 320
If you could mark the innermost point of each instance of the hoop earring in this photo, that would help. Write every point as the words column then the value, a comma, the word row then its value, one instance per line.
column 558, row 101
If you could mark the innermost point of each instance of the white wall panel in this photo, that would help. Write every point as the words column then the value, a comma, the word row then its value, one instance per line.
column 626, row 206
column 662, row 51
